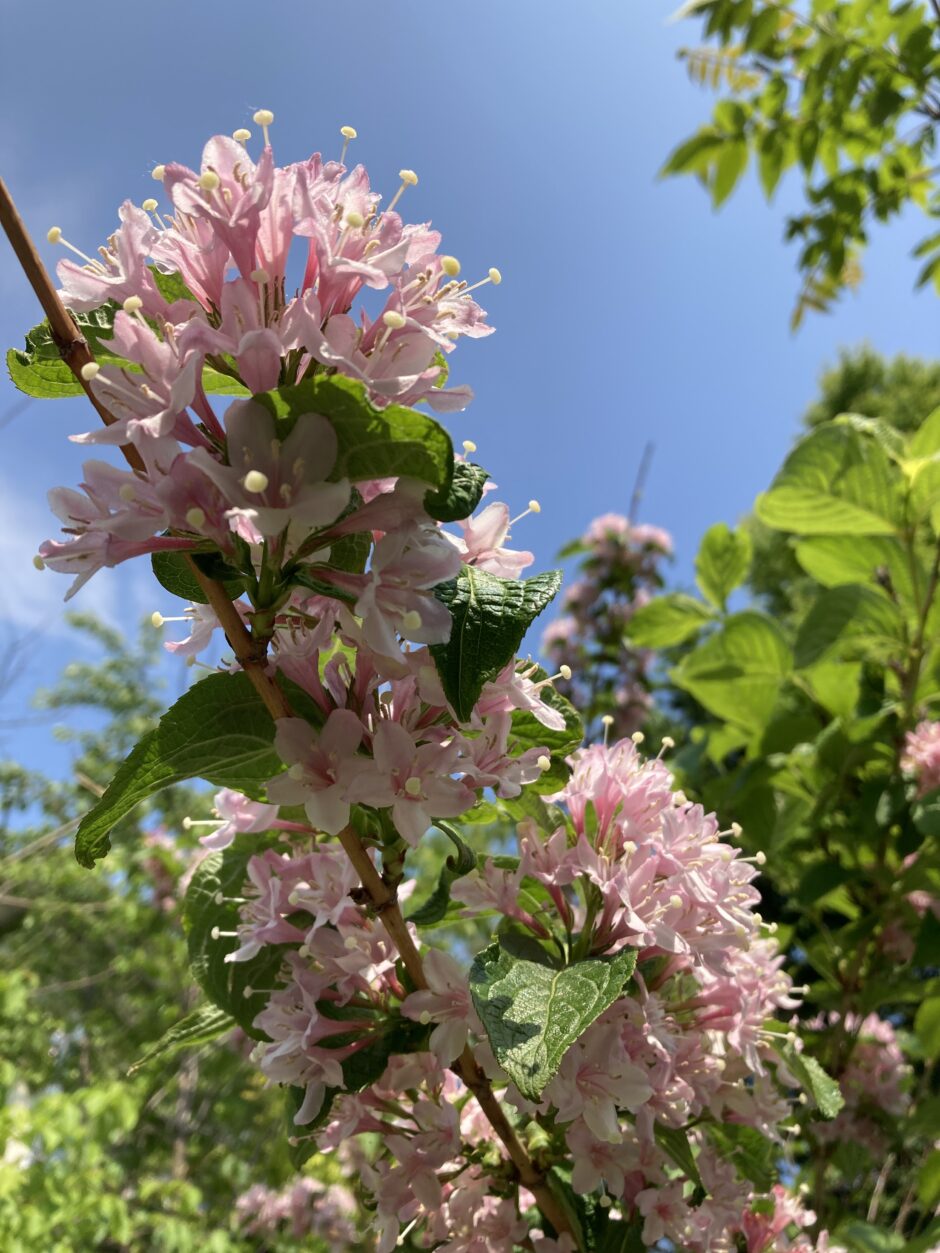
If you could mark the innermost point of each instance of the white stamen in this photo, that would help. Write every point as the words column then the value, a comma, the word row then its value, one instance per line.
column 493, row 276
column 564, row 672
column 89, row 370
column 189, row 823
column 534, row 507
column 413, row 785
column 638, row 737
column 668, row 742
column 393, row 320
column 149, row 205
column 255, row 481
column 157, row 620
column 737, row 830
column 408, row 179
column 543, row 762
column 264, row 118
column 242, row 135
column 469, row 446
column 218, row 934
column 54, row 236
column 196, row 517
column 607, row 722
column 348, row 133
column 133, row 304
column 450, row 266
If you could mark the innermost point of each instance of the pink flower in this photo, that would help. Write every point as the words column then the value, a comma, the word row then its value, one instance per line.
column 395, row 596
column 320, row 767
column 445, row 1002
column 414, row 781
column 482, row 543
column 239, row 815
column 922, row 756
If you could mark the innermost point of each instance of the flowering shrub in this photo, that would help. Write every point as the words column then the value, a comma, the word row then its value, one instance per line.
column 611, row 1066
column 619, row 571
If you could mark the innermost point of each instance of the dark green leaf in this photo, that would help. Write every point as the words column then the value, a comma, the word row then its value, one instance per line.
column 460, row 863
column 927, row 1027
column 172, row 572
column 461, row 497
column 219, row 731
column 849, row 613
column 490, row 617
column 202, row 1025
column 675, row 1142
column 821, row 1089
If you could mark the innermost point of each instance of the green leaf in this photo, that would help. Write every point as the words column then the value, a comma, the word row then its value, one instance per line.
column 752, row 1155
column 210, row 903
column 171, row 286
column 849, row 613
column 668, row 620
column 533, row 1013
column 723, row 561
column 172, row 572
column 837, row 481
column 461, row 497
column 219, row 731
column 862, row 1237
column 675, row 1142
column 202, row 1025
column 731, row 164
column 460, row 863
column 490, row 617
column 927, row 1027
column 372, row 443
column 736, row 673
column 836, row 559
column 822, row 1090
column 928, row 1181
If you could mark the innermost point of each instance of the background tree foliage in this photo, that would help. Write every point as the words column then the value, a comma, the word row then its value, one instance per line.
column 844, row 92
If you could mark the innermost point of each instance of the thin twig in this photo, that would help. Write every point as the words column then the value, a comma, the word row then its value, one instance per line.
column 251, row 654
column 640, row 481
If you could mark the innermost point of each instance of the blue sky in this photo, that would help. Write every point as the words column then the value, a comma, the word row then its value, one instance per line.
column 629, row 311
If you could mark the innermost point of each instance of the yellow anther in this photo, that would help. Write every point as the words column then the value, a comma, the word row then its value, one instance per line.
column 469, row 446
column 242, row 135
column 543, row 762
column 413, row 785
column 149, row 205
column 262, row 117
column 638, row 737
column 126, row 492
column 349, row 132
column 411, row 621
column 494, row 276
column 54, row 234
column 89, row 370
column 408, row 177
column 565, row 672
column 38, row 562
column 260, row 276
column 393, row 320
column 158, row 172
column 209, row 180
column 355, row 220
column 450, row 266
column 534, row 506
column 133, row 304
column 195, row 517
column 157, row 620
column 255, row 481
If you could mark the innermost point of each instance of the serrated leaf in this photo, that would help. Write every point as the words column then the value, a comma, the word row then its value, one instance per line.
column 171, row 286
column 172, row 572
column 202, row 1025
column 218, row 731
column 927, row 1026
column 490, row 618
column 371, row 443
column 723, row 560
column 461, row 497
column 752, row 1155
column 533, row 1013
column 822, row 1089
column 528, row 732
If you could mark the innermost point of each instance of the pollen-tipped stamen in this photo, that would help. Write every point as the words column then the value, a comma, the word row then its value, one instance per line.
column 264, row 118
column 55, row 236
column 408, row 179
column 348, row 133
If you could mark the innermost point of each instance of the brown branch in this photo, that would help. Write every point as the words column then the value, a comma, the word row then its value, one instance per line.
column 251, row 654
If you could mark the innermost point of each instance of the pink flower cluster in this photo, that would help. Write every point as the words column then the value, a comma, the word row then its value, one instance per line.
column 921, row 757
column 874, row 1082
column 619, row 571
column 304, row 1208
column 203, row 285
column 631, row 864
